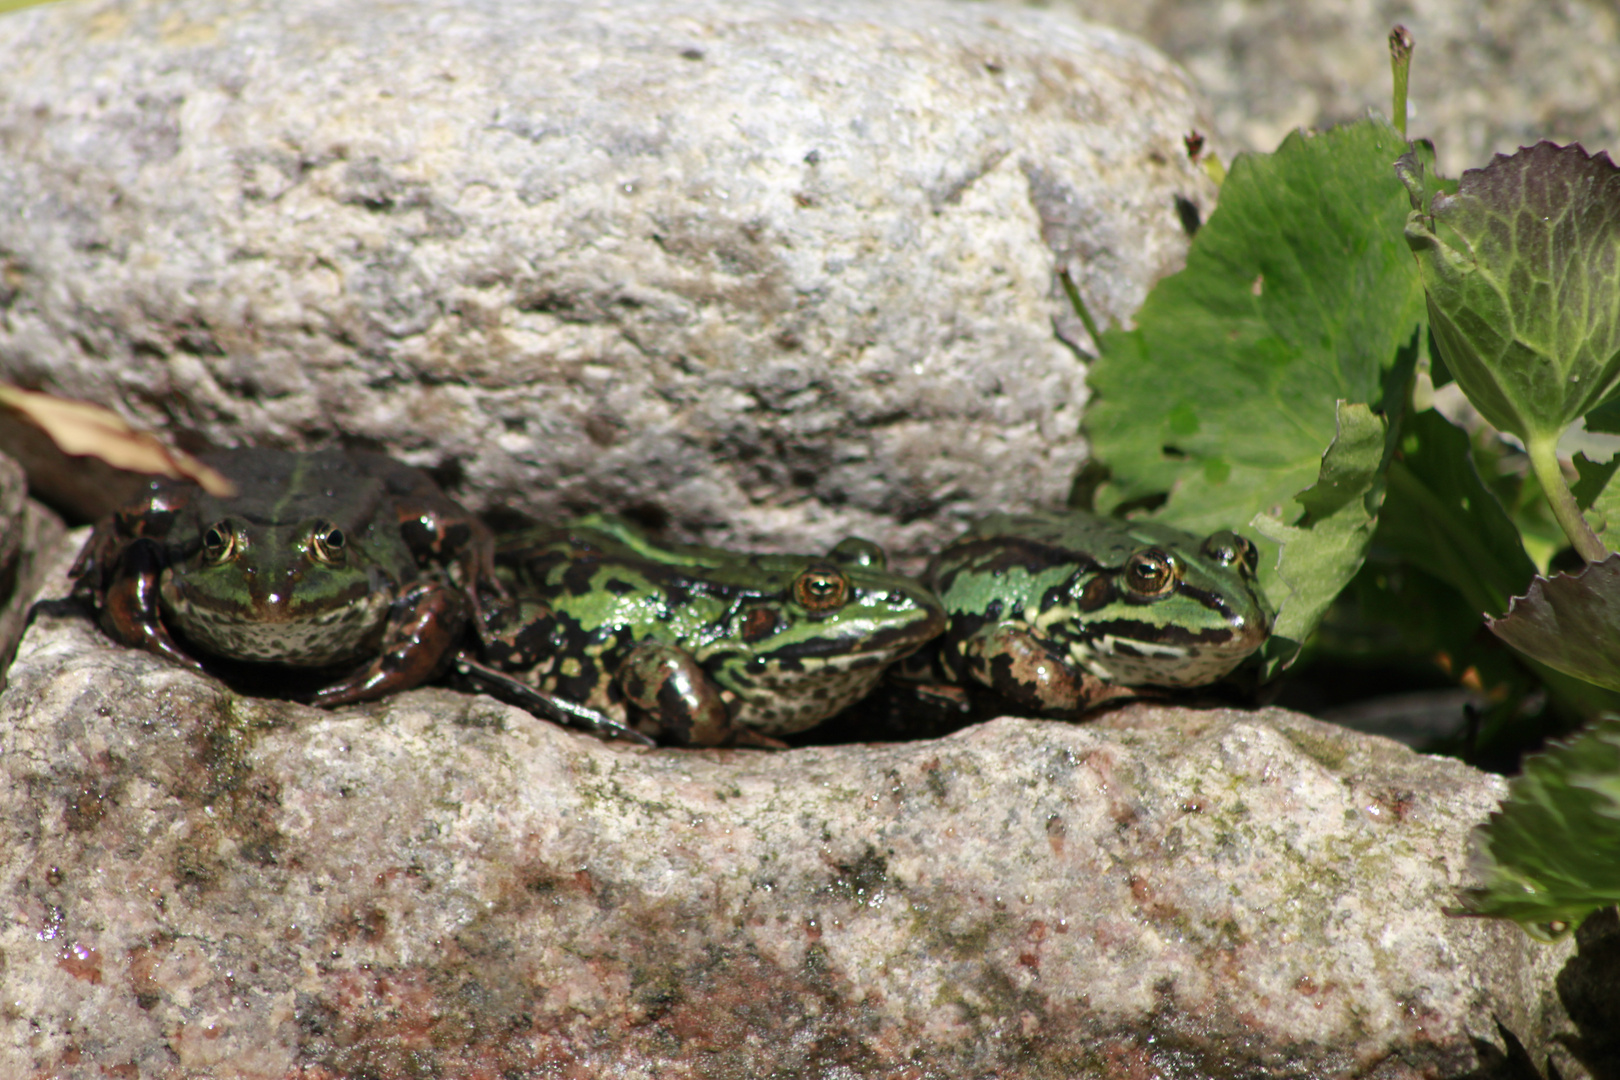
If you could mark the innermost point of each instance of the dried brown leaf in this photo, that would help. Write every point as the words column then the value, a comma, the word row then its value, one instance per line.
column 82, row 429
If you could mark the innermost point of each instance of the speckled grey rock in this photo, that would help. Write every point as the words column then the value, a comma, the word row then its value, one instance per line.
column 1489, row 75
column 436, row 885
column 29, row 534
column 773, row 272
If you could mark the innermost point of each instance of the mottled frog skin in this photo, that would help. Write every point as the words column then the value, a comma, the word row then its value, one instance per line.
column 337, row 564
column 697, row 645
column 1062, row 611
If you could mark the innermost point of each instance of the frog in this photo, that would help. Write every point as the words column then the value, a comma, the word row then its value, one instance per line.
column 693, row 645
column 339, row 575
column 1062, row 611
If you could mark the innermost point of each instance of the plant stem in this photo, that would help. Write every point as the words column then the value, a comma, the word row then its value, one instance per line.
column 1544, row 463
column 1400, row 62
column 1079, row 305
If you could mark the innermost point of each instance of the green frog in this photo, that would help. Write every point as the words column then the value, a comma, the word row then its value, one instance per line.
column 698, row 645
column 1062, row 611
column 343, row 575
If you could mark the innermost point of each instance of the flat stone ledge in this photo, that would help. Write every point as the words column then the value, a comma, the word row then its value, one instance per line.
column 202, row 882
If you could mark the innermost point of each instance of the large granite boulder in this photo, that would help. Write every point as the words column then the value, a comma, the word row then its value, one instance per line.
column 767, row 272
column 200, row 884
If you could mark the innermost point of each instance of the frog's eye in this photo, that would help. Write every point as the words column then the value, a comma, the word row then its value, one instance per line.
column 821, row 588
column 326, row 542
column 1150, row 572
column 1230, row 549
column 858, row 551
column 219, row 543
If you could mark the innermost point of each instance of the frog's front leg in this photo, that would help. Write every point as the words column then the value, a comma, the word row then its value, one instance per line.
column 667, row 683
column 128, row 607
column 421, row 638
column 1017, row 663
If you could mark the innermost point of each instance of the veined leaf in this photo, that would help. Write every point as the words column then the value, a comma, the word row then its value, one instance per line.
column 1522, row 268
column 1298, row 293
column 1570, row 622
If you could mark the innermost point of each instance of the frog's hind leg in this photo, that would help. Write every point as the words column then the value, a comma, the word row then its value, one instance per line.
column 671, row 686
column 421, row 637
column 558, row 710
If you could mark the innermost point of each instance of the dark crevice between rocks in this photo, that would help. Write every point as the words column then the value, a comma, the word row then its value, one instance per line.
column 1512, row 1063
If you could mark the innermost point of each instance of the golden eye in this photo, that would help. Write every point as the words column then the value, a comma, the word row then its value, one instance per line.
column 1228, row 549
column 219, row 543
column 821, row 589
column 1150, row 572
column 326, row 542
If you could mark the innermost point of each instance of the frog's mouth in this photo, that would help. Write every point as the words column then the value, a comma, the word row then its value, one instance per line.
column 296, row 634
column 875, row 645
column 1135, row 653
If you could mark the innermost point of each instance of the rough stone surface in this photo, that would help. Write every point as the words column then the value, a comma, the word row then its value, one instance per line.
column 772, row 272
column 1488, row 77
column 436, row 885
column 29, row 535
column 13, row 529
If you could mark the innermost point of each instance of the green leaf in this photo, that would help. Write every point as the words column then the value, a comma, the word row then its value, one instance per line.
column 1570, row 622
column 1439, row 515
column 1551, row 855
column 1322, row 553
column 1522, row 269
column 1297, row 294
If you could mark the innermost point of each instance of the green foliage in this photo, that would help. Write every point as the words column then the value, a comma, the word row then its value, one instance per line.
column 1320, row 555
column 1440, row 516
column 1522, row 269
column 1298, row 295
column 1268, row 385
column 1551, row 855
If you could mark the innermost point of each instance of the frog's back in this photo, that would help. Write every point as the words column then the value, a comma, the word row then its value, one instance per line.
column 598, row 587
column 1075, row 537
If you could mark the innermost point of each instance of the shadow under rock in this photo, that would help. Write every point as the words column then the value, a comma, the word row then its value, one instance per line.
column 1589, row 987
